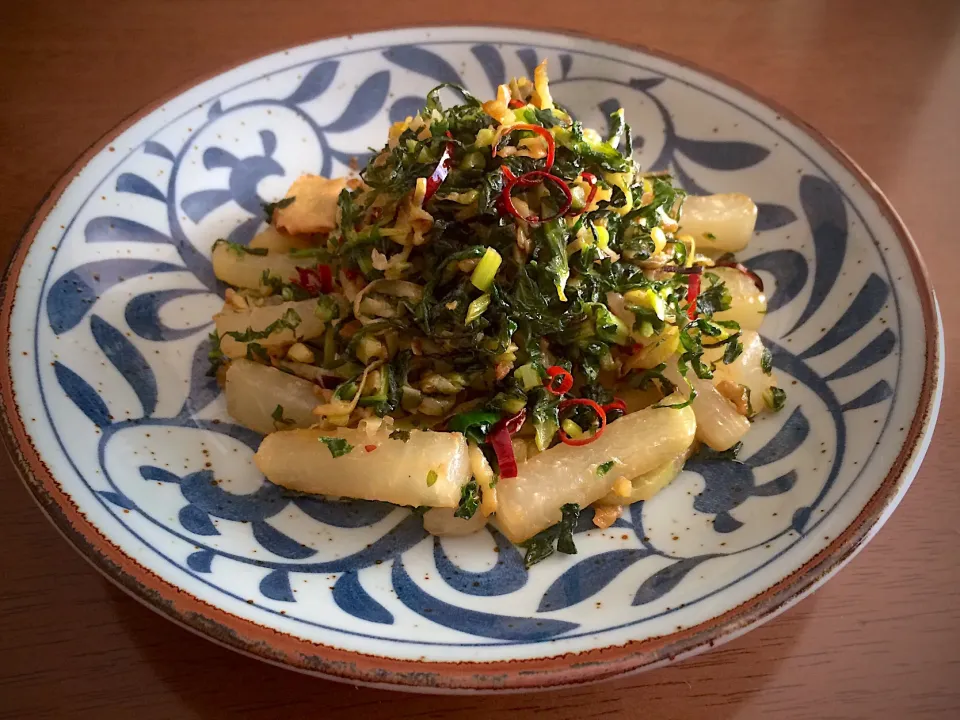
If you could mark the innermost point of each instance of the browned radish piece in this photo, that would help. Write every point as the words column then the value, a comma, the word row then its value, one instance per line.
column 637, row 443
column 261, row 319
column 429, row 468
column 257, row 394
column 313, row 208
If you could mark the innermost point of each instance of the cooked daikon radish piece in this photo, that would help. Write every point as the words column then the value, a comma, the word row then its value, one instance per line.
column 241, row 268
column 643, row 487
column 750, row 370
column 265, row 399
column 428, row 468
column 748, row 304
column 282, row 324
column 722, row 222
column 636, row 444
column 275, row 241
column 443, row 523
column 719, row 424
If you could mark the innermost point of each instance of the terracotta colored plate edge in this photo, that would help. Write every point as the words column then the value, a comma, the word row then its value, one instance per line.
column 569, row 669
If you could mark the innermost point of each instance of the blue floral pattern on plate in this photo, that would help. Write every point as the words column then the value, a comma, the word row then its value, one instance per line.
column 121, row 347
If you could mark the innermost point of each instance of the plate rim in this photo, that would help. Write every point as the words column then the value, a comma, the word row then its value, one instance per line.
column 255, row 640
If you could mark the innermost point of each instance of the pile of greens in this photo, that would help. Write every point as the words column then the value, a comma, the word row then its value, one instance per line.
column 500, row 265
column 546, row 302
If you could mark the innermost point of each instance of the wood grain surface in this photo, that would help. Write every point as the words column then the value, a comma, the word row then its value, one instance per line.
column 881, row 640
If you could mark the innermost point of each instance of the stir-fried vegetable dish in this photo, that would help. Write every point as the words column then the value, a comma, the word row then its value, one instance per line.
column 502, row 319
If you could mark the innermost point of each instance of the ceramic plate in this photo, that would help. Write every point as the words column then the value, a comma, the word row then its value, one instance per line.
column 125, row 442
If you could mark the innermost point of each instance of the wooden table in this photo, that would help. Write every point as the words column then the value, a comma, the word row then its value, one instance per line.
column 882, row 640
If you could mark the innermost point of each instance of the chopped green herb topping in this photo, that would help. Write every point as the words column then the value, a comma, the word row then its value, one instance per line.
column 401, row 435
column 269, row 208
column 604, row 468
column 215, row 356
column 766, row 361
column 775, row 398
column 541, row 545
column 715, row 298
column 336, row 446
column 278, row 418
column 469, row 500
column 256, row 351
column 289, row 321
column 474, row 425
column 431, row 478
column 240, row 250
column 733, row 351
column 708, row 454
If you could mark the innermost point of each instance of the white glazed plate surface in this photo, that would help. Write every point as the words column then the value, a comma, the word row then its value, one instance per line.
column 108, row 347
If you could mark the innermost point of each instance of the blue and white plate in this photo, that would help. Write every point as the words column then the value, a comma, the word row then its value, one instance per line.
column 125, row 441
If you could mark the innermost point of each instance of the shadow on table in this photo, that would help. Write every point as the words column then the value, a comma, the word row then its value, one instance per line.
column 212, row 681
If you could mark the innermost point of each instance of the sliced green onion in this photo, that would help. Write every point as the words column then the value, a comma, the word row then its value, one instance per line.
column 528, row 376
column 485, row 137
column 486, row 270
column 431, row 478
column 571, row 428
column 603, row 236
column 326, row 308
column 610, row 328
column 477, row 308
column 578, row 197
column 647, row 298
column 330, row 347
column 514, row 405
column 472, row 161
column 774, row 398
column 604, row 468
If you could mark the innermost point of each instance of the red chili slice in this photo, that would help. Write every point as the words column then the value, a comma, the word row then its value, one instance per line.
column 757, row 280
column 529, row 180
column 566, row 439
column 555, row 374
column 513, row 423
column 313, row 280
column 441, row 171
column 542, row 132
column 617, row 404
column 515, row 104
column 326, row 278
column 693, row 290
column 499, row 439
column 370, row 448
